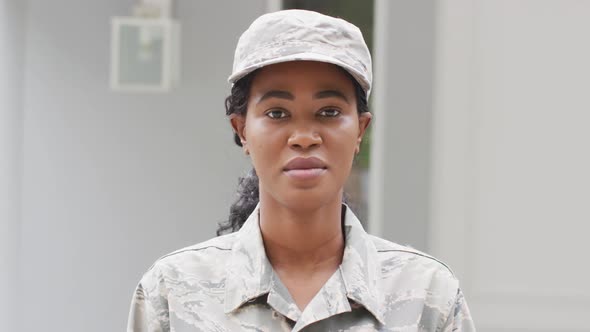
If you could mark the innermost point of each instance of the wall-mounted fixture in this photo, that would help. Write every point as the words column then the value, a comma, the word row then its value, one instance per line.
column 145, row 49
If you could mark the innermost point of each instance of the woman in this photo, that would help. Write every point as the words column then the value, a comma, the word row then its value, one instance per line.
column 297, row 258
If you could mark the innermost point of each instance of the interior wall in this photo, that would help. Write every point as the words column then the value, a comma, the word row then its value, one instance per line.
column 510, row 194
column 12, row 22
column 402, row 104
column 112, row 181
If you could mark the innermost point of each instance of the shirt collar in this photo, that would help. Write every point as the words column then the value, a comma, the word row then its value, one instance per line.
column 250, row 274
column 360, row 267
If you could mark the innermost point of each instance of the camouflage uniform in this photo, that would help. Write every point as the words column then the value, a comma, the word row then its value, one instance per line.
column 228, row 284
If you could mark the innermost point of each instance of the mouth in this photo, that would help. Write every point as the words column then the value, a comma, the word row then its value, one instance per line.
column 305, row 168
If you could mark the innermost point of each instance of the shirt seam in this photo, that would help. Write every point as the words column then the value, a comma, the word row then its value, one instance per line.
column 419, row 254
column 444, row 319
column 185, row 250
column 161, row 281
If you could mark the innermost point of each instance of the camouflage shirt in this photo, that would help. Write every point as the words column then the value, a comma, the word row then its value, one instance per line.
column 228, row 284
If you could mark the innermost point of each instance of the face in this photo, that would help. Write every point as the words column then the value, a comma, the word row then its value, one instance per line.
column 302, row 131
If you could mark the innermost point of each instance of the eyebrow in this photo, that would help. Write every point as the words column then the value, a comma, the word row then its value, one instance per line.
column 289, row 96
column 276, row 94
column 330, row 93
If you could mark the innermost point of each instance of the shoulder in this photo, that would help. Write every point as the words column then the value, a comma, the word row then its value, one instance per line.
column 182, row 274
column 217, row 246
column 411, row 278
column 404, row 262
column 205, row 260
column 387, row 248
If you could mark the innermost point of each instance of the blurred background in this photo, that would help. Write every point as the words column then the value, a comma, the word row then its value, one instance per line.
column 115, row 150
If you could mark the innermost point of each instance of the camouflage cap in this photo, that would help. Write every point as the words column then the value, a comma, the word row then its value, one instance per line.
column 291, row 35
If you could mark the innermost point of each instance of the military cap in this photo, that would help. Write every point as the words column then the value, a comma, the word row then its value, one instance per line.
column 293, row 35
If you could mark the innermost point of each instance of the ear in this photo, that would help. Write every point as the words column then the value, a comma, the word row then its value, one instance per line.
column 364, row 121
column 238, row 123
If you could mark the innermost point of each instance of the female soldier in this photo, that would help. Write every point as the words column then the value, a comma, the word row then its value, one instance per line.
column 297, row 258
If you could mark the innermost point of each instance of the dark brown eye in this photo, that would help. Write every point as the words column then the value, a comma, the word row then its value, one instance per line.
column 329, row 112
column 276, row 114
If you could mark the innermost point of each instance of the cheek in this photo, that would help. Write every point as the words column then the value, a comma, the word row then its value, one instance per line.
column 267, row 142
column 264, row 142
column 343, row 138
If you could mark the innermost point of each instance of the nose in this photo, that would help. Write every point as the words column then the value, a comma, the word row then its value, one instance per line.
column 304, row 139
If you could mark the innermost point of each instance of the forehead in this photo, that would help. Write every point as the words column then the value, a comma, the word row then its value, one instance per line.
column 302, row 75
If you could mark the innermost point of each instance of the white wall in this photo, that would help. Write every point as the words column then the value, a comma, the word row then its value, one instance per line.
column 112, row 181
column 511, row 160
column 11, row 82
column 402, row 105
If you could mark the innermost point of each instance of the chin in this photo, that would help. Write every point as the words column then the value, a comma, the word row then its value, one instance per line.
column 308, row 200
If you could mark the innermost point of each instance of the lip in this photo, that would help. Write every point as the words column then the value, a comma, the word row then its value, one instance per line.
column 305, row 168
column 300, row 163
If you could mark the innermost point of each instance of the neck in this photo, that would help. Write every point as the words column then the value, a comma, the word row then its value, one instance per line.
column 310, row 240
